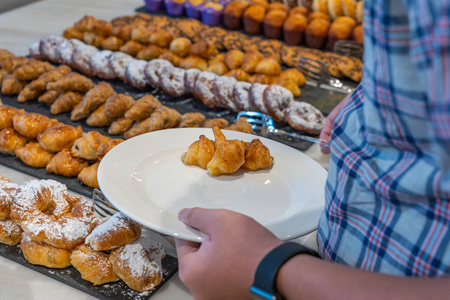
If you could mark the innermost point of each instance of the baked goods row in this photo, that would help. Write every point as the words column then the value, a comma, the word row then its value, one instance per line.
column 59, row 230
column 188, row 43
column 216, row 92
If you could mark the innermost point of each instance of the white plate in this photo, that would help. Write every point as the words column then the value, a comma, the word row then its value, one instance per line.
column 145, row 178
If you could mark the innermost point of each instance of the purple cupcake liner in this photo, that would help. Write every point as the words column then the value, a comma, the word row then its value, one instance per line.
column 154, row 5
column 211, row 17
column 193, row 11
column 173, row 8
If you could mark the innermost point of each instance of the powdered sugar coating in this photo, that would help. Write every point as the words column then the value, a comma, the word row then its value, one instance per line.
column 256, row 96
column 153, row 70
column 48, row 46
column 204, row 89
column 7, row 192
column 34, row 51
column 64, row 51
column 190, row 77
column 118, row 61
column 304, row 117
column 81, row 58
column 276, row 99
column 9, row 228
column 171, row 80
column 135, row 75
column 223, row 87
column 100, row 64
column 241, row 95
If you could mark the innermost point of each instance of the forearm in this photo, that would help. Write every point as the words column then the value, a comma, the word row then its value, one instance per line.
column 306, row 277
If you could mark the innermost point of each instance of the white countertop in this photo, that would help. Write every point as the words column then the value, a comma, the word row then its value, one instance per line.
column 19, row 29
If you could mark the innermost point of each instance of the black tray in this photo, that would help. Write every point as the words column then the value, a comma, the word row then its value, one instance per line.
column 70, row 276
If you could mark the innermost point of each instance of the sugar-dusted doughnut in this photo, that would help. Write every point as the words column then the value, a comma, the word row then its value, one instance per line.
column 256, row 96
column 10, row 232
column 118, row 61
column 64, row 51
column 204, row 89
column 153, row 70
column 7, row 191
column 241, row 96
column 304, row 117
column 100, row 66
column 223, row 88
column 81, row 57
column 171, row 80
column 40, row 253
column 48, row 46
column 190, row 76
column 135, row 74
column 46, row 212
column 276, row 98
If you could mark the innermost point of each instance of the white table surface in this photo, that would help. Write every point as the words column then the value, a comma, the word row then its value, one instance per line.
column 20, row 28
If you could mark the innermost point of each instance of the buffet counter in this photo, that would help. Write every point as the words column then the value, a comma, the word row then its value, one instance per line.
column 20, row 28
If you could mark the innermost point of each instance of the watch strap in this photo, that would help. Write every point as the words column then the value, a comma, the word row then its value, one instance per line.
column 264, row 284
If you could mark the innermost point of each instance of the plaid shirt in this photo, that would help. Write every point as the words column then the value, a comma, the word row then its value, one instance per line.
column 388, row 189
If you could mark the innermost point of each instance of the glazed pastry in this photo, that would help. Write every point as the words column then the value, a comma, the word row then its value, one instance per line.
column 273, row 24
column 204, row 89
column 99, row 118
column 63, row 163
column 233, row 40
column 38, row 86
column 122, row 31
column 32, row 154
column 270, row 48
column 72, row 33
column 234, row 59
column 117, row 231
column 250, row 60
column 233, row 13
column 118, row 62
column 88, row 176
column 93, row 266
column 164, row 117
column 304, row 117
column 72, row 81
column 104, row 148
column 32, row 70
column 118, row 104
column 86, row 146
column 10, row 232
column 85, row 24
column 93, row 99
column 217, row 67
column 171, row 80
column 11, row 85
column 49, row 97
column 180, row 46
column 276, row 99
column 294, row 29
column 139, row 127
column 112, row 43
column 150, row 52
column 204, row 48
column 5, row 54
column 135, row 75
column 268, row 66
column 253, row 18
column 229, row 155
column 43, row 254
column 199, row 152
column 153, row 70
column 161, row 38
column 256, row 96
column 120, row 125
column 81, row 57
column 219, row 122
column 144, row 276
column 223, row 89
column 192, row 119
column 241, row 125
column 241, row 95
column 10, row 140
column 142, row 108
column 7, row 114
column 59, row 137
column 131, row 48
column 31, row 124
column 100, row 66
column 48, row 46
column 193, row 62
column 257, row 156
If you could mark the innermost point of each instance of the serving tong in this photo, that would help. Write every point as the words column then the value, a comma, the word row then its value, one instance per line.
column 348, row 48
column 263, row 125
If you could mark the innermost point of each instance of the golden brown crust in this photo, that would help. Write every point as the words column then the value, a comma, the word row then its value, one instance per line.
column 59, row 137
column 199, row 153
column 117, row 105
column 142, row 108
column 164, row 117
column 257, row 156
column 120, row 125
column 219, row 122
column 250, row 60
column 65, row 164
column 34, row 155
column 7, row 114
column 253, row 18
column 72, row 81
column 65, row 102
column 10, row 232
column 86, row 146
column 40, row 253
column 104, row 148
column 192, row 119
column 93, row 99
column 10, row 140
column 31, row 124
column 88, row 176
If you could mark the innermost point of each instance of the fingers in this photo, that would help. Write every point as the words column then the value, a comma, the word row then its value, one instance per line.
column 185, row 247
column 199, row 218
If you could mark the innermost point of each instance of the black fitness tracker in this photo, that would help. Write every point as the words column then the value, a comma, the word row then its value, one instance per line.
column 264, row 284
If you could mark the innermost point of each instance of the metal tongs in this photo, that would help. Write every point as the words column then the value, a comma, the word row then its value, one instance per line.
column 348, row 48
column 263, row 125
column 317, row 71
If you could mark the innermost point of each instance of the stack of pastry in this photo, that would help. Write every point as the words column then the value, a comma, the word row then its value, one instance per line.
column 58, row 230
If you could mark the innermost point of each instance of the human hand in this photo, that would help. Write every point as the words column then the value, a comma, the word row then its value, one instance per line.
column 325, row 134
column 223, row 266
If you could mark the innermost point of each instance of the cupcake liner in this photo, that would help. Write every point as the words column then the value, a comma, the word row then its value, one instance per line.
column 193, row 11
column 174, row 8
column 211, row 17
column 154, row 5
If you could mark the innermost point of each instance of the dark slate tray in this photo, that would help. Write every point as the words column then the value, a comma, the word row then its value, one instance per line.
column 70, row 276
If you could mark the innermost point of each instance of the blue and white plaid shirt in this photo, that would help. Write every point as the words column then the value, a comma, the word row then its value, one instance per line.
column 388, row 189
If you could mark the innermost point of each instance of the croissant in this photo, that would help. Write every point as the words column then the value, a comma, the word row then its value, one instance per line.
column 31, row 124
column 88, row 176
column 241, row 125
column 229, row 155
column 65, row 102
column 104, row 148
column 139, row 127
column 295, row 75
column 99, row 118
column 11, row 85
column 142, row 108
column 192, row 119
column 13, row 62
column 120, row 125
column 7, row 114
column 10, row 140
column 32, row 70
column 92, row 100
column 199, row 152
column 72, row 81
column 5, row 54
column 63, row 163
column 117, row 105
column 220, row 122
column 36, row 87
column 59, row 137
column 34, row 155
column 257, row 156
column 48, row 97
column 164, row 117
column 86, row 146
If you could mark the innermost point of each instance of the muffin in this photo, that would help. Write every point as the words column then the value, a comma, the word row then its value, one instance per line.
column 277, row 6
column 338, row 31
column 211, row 13
column 348, row 20
column 273, row 24
column 232, row 14
column 154, row 5
column 175, row 7
column 316, row 33
column 358, row 34
column 299, row 10
column 253, row 19
column 294, row 29
column 318, row 15
column 263, row 3
column 193, row 8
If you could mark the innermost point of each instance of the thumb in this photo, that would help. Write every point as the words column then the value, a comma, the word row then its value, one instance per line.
column 202, row 219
